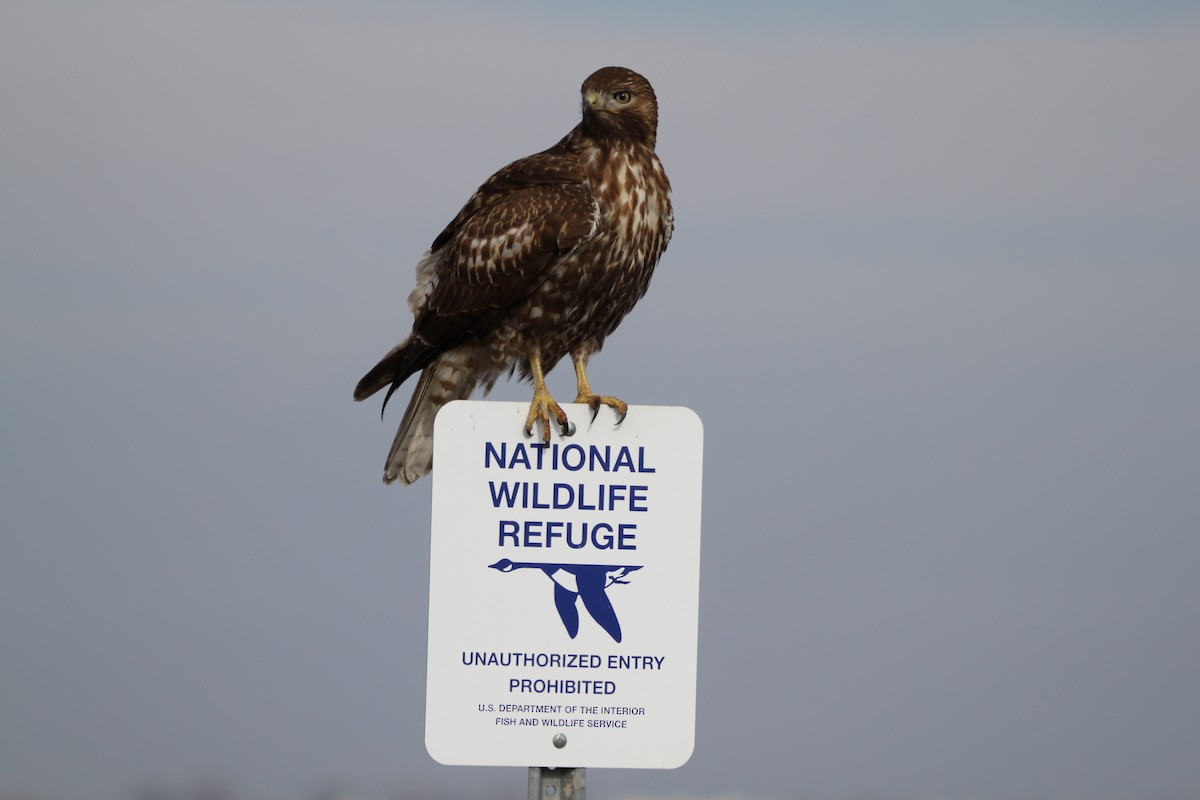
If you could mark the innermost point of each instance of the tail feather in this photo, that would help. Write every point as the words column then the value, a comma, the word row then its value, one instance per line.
column 449, row 377
column 401, row 361
column 380, row 376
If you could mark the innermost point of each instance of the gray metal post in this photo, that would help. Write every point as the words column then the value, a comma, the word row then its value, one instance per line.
column 565, row 783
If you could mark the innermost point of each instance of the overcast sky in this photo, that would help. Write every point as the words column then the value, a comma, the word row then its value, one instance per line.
column 933, row 291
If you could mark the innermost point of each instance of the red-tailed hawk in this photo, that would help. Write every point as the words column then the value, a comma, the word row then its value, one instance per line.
column 544, row 260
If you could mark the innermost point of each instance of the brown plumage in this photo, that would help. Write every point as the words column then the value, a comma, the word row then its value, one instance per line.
column 544, row 261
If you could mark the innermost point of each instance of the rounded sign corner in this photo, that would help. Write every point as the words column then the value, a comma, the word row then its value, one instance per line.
column 684, row 757
column 693, row 418
column 434, row 752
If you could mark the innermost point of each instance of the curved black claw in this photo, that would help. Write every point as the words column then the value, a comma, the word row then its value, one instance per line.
column 594, row 401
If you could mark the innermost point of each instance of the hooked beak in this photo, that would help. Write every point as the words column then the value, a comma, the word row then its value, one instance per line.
column 593, row 99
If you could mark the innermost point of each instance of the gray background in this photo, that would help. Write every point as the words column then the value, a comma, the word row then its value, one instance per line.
column 933, row 291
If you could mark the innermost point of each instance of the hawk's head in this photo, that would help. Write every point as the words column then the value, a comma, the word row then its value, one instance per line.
column 619, row 102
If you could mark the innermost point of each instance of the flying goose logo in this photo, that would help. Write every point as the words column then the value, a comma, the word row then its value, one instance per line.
column 573, row 582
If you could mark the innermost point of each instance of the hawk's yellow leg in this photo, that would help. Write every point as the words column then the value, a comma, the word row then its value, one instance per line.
column 586, row 395
column 543, row 404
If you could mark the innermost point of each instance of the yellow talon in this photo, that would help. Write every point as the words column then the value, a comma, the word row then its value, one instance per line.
column 540, row 409
column 544, row 404
column 593, row 400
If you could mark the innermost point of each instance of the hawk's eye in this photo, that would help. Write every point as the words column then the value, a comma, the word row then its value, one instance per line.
column 622, row 96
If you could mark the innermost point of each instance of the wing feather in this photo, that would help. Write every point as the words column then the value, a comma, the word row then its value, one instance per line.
column 494, row 254
column 498, row 255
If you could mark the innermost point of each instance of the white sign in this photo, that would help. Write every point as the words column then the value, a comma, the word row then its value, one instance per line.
column 564, row 589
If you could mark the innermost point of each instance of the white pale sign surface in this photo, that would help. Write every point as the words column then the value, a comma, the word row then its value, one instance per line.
column 564, row 589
